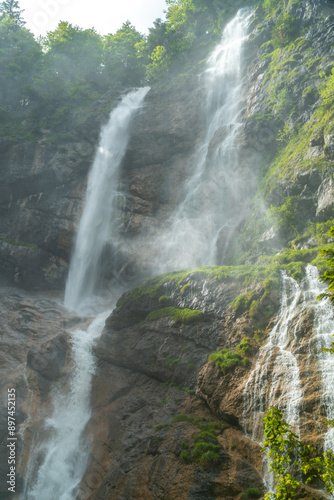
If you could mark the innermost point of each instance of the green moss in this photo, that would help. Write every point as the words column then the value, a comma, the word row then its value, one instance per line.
column 164, row 300
column 170, row 362
column 185, row 287
column 241, row 303
column 182, row 417
column 161, row 426
column 185, row 316
column 20, row 243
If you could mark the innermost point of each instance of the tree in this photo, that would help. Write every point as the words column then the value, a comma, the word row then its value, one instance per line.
column 20, row 56
column 292, row 457
column 76, row 53
column 123, row 56
column 12, row 10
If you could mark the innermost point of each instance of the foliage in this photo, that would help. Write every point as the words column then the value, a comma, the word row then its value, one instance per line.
column 284, row 31
column 328, row 276
column 327, row 89
column 170, row 361
column 203, row 447
column 227, row 360
column 123, row 56
column 245, row 346
column 253, row 492
column 160, row 63
column 292, row 457
column 20, row 56
column 286, row 215
column 11, row 9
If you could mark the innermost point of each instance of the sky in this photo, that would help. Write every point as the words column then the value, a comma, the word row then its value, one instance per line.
column 106, row 16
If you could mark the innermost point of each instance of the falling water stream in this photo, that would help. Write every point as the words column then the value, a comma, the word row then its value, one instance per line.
column 323, row 330
column 96, row 224
column 214, row 196
column 275, row 378
column 65, row 453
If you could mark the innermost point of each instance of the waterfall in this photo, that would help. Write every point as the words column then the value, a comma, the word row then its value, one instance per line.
column 214, row 196
column 95, row 228
column 275, row 379
column 64, row 456
column 323, row 329
column 66, row 452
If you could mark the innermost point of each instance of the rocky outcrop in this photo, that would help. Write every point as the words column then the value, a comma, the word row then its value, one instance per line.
column 155, row 393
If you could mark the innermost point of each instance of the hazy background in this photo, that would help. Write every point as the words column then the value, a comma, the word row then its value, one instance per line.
column 105, row 16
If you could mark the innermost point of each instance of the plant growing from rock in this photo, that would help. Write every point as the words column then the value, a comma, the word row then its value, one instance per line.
column 291, row 457
column 227, row 360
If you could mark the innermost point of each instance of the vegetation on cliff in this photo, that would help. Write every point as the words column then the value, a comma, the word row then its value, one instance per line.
column 292, row 457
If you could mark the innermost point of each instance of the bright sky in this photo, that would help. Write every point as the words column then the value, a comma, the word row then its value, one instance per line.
column 106, row 16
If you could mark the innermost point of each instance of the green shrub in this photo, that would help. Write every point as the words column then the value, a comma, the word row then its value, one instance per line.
column 209, row 458
column 244, row 347
column 253, row 492
column 202, row 447
column 205, row 435
column 227, row 360
column 185, row 456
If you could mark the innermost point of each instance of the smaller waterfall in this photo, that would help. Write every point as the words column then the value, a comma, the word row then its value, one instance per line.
column 95, row 228
column 214, row 195
column 65, row 454
column 275, row 379
column 323, row 329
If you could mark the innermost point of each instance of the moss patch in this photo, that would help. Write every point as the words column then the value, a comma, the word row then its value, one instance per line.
column 185, row 316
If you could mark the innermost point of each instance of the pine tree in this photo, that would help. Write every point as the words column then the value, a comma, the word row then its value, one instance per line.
column 12, row 9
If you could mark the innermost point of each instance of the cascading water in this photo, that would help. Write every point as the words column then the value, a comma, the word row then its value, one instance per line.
column 275, row 378
column 214, row 196
column 65, row 454
column 95, row 228
column 323, row 329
